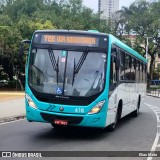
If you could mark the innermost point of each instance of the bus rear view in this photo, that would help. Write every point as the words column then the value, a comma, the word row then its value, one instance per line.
column 66, row 78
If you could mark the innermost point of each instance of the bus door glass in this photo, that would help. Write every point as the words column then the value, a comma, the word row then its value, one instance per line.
column 113, row 70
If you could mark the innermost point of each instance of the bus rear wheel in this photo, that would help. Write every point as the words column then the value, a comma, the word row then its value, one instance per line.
column 136, row 112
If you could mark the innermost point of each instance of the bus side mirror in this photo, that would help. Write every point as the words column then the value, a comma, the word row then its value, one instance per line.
column 21, row 49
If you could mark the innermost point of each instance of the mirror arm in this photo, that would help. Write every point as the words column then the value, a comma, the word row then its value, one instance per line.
column 21, row 52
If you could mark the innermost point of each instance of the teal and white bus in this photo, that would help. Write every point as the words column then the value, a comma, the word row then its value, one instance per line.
column 82, row 78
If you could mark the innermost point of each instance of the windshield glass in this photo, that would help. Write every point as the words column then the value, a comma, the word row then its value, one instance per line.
column 67, row 73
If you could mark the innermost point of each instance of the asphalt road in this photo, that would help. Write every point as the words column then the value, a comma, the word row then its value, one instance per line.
column 132, row 134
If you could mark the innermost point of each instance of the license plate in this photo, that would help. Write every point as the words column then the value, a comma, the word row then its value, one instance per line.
column 61, row 122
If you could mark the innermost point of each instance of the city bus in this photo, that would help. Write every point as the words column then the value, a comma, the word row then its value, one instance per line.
column 82, row 78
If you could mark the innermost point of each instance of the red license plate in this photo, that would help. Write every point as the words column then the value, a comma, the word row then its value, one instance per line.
column 61, row 122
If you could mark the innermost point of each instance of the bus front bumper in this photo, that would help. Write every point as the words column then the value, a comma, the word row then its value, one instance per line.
column 87, row 120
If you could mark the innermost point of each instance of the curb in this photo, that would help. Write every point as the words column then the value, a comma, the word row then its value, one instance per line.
column 13, row 93
column 153, row 96
column 11, row 119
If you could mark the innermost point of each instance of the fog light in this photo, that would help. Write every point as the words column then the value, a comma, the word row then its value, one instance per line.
column 97, row 108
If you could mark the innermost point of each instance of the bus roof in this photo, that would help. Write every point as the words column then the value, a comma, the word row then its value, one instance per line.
column 113, row 39
column 90, row 32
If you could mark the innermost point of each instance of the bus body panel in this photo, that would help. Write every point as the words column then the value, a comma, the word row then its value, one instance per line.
column 89, row 120
column 128, row 93
column 96, row 120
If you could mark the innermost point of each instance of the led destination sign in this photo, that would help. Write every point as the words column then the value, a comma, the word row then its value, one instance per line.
column 70, row 40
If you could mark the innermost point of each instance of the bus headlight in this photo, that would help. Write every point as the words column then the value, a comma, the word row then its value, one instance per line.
column 97, row 108
column 30, row 102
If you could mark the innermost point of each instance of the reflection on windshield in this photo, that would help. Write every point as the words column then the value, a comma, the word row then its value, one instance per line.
column 88, row 81
column 55, row 64
column 77, row 67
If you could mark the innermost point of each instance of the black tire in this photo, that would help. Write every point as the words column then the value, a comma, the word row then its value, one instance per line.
column 136, row 112
column 117, row 118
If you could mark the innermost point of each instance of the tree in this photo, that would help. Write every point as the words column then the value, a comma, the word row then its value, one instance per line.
column 20, row 18
column 143, row 18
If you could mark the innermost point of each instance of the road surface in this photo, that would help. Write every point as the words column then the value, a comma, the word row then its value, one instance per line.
column 132, row 134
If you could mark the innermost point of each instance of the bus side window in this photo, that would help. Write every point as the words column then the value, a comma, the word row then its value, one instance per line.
column 127, row 67
column 132, row 76
column 140, row 74
column 122, row 65
column 144, row 73
column 135, row 67
column 146, row 77
column 137, row 71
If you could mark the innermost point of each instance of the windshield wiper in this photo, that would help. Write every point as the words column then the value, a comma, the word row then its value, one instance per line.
column 54, row 63
column 77, row 67
column 57, row 69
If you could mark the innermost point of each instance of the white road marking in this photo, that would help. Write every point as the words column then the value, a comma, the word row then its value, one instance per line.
column 149, row 105
column 155, row 144
column 12, row 121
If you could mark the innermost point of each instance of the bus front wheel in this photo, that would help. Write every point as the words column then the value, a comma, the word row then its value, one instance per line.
column 117, row 118
column 113, row 125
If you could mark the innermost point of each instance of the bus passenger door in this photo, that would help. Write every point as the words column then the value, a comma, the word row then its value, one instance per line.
column 112, row 89
column 128, row 85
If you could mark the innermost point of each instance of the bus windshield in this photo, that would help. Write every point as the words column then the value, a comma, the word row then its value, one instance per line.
column 67, row 73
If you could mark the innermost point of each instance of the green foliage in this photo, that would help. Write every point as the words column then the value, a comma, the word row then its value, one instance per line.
column 143, row 18
column 20, row 18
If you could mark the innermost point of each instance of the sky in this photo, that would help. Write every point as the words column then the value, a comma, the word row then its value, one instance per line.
column 94, row 3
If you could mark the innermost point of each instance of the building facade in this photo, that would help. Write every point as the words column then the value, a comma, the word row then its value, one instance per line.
column 107, row 8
